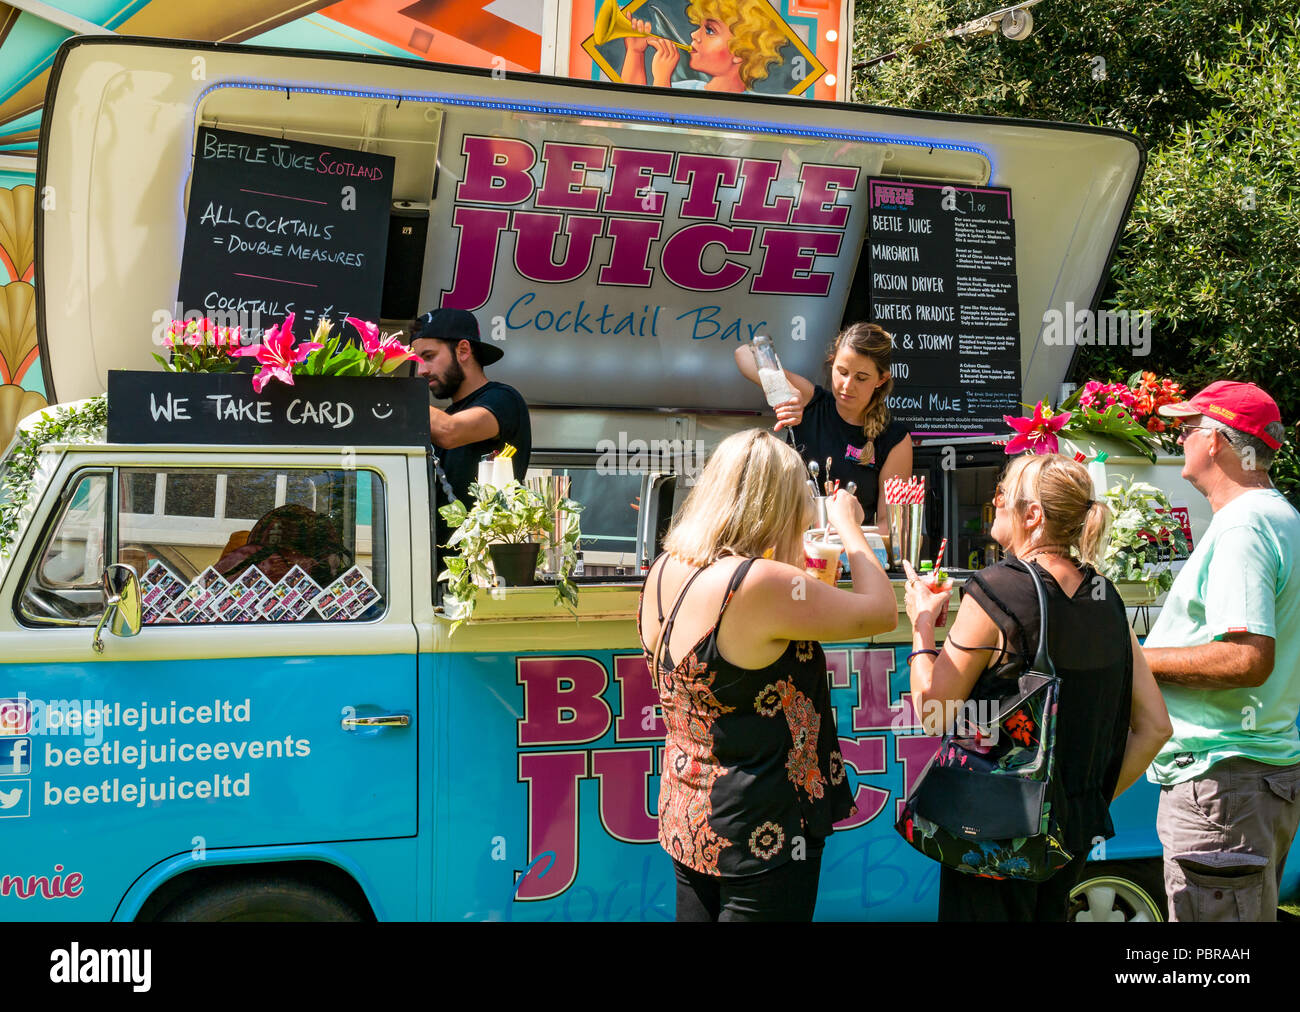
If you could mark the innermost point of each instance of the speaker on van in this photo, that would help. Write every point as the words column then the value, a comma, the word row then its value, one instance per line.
column 408, row 229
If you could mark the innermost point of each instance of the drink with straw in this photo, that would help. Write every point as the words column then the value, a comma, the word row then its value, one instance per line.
column 821, row 557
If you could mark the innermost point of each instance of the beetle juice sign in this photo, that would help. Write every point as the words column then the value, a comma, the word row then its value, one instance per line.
column 633, row 263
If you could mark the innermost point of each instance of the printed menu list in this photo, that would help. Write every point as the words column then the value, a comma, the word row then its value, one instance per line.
column 278, row 227
column 943, row 282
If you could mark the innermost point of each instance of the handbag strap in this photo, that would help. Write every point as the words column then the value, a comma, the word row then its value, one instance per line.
column 1042, row 660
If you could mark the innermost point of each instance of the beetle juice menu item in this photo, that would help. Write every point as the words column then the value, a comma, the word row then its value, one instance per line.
column 943, row 282
column 278, row 227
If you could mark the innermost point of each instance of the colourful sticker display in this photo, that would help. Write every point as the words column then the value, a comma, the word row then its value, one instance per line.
column 346, row 598
column 291, row 599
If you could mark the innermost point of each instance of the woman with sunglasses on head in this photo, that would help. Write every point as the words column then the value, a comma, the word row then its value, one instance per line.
column 752, row 779
column 1111, row 717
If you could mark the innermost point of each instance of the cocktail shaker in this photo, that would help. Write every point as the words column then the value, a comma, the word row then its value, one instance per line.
column 904, row 534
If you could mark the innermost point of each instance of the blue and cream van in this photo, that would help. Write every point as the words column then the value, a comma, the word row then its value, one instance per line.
column 318, row 760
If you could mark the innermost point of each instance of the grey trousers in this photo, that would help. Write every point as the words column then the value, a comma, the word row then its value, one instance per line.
column 1226, row 835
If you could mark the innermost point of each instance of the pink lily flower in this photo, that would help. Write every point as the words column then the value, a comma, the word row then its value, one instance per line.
column 1036, row 434
column 372, row 344
column 277, row 354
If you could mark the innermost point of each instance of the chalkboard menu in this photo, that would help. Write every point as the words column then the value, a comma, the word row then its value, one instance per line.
column 278, row 227
column 943, row 282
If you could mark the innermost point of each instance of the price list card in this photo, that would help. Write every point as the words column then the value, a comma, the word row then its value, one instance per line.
column 943, row 282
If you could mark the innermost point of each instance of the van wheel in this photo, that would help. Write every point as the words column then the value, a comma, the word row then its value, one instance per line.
column 268, row 899
column 1132, row 891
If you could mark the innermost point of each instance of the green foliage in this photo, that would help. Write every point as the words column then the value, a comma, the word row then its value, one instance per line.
column 512, row 515
column 19, row 482
column 1213, row 246
column 1142, row 86
column 1212, row 87
column 1137, row 535
column 330, row 360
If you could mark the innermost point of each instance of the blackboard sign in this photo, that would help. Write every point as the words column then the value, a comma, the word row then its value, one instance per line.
column 278, row 227
column 943, row 282
column 221, row 408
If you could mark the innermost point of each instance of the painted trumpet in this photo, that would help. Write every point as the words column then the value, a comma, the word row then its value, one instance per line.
column 612, row 23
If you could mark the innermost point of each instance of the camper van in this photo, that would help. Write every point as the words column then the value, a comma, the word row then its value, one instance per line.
column 316, row 761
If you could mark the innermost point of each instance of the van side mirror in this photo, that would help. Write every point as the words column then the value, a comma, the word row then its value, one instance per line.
column 123, row 608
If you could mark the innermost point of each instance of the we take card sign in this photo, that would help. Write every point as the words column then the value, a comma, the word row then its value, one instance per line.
column 160, row 407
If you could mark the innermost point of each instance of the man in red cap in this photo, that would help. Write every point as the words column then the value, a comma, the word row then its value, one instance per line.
column 1226, row 650
column 483, row 415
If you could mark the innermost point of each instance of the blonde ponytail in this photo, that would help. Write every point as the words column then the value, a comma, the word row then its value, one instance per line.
column 1092, row 542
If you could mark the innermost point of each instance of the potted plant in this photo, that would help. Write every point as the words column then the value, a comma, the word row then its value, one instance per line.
column 1144, row 538
column 507, row 525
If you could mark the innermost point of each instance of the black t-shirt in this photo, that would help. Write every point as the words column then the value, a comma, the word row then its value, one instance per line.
column 824, row 433
column 460, row 464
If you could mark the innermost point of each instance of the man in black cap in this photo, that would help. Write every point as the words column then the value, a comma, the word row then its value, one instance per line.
column 483, row 415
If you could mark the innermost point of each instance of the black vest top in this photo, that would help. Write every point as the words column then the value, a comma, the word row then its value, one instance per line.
column 1088, row 639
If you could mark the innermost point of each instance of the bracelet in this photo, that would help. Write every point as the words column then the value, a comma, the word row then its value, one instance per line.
column 928, row 650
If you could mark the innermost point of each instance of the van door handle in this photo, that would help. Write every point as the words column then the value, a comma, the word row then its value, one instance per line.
column 385, row 720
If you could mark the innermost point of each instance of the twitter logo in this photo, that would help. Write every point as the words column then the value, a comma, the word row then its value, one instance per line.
column 15, row 800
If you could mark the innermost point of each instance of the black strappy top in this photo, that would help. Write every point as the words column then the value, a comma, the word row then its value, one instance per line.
column 1088, row 636
column 752, row 759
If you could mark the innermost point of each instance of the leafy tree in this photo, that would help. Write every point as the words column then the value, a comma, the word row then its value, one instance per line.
column 1212, row 248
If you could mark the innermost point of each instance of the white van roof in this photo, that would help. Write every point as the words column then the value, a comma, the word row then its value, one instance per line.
column 117, row 151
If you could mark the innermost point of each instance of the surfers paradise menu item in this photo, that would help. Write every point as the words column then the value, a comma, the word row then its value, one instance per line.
column 277, row 227
column 943, row 282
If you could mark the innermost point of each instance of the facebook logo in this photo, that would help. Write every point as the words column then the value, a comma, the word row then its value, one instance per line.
column 15, row 757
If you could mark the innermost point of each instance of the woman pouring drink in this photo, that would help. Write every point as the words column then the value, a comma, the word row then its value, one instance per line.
column 848, row 424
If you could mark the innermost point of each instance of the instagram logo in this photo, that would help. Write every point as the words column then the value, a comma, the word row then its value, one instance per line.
column 15, row 717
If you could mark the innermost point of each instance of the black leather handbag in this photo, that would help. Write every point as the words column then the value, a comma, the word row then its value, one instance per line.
column 983, row 804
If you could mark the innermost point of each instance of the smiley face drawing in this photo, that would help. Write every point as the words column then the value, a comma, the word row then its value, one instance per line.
column 386, row 413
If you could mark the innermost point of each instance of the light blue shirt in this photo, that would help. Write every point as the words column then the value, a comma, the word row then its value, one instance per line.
column 1242, row 577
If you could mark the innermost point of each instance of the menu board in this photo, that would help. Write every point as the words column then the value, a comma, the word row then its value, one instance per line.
column 943, row 282
column 278, row 227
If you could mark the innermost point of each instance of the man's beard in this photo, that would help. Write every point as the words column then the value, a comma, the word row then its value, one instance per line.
column 448, row 384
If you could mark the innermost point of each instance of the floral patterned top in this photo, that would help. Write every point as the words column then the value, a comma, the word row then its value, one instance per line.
column 751, row 758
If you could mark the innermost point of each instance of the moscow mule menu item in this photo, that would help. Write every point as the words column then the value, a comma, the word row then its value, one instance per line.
column 277, row 227
column 943, row 282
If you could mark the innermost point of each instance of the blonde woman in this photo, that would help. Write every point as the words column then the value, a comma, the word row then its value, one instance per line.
column 1111, row 717
column 753, row 779
column 848, row 421
column 734, row 45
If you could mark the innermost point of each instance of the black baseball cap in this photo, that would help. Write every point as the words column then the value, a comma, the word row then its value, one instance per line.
column 455, row 325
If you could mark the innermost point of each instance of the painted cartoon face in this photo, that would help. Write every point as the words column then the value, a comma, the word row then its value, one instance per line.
column 710, row 48
column 382, row 410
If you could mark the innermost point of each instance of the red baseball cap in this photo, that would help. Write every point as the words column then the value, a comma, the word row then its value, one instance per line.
column 1242, row 406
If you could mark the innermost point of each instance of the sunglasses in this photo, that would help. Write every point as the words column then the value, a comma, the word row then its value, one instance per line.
column 1187, row 430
